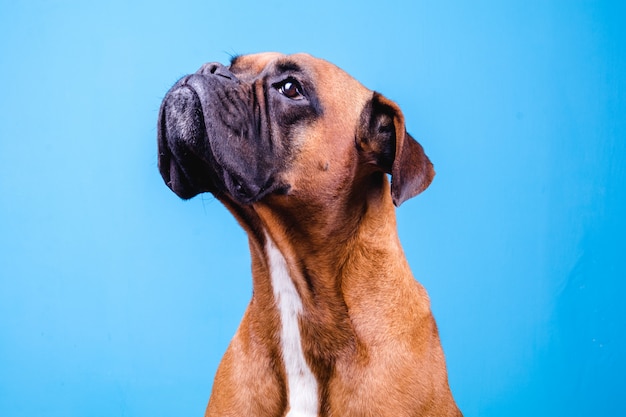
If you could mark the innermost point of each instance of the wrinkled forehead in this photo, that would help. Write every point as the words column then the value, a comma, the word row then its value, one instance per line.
column 330, row 79
column 253, row 64
column 273, row 63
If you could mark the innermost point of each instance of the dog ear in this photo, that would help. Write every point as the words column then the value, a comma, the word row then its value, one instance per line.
column 383, row 140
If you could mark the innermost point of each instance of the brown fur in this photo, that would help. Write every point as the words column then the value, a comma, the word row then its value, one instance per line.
column 367, row 330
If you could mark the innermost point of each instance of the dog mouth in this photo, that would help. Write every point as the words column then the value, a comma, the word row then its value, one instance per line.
column 181, row 129
column 206, row 144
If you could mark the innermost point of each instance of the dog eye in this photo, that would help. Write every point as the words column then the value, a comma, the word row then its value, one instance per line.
column 290, row 88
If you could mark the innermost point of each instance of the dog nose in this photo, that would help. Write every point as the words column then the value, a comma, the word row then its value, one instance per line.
column 215, row 68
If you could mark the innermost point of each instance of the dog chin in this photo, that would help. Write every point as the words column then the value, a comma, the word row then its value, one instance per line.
column 246, row 193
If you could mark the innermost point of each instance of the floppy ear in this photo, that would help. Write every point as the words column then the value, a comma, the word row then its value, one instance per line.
column 383, row 140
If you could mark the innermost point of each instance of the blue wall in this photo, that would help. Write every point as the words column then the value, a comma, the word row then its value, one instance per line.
column 116, row 298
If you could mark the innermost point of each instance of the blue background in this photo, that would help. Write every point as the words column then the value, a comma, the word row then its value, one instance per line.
column 118, row 299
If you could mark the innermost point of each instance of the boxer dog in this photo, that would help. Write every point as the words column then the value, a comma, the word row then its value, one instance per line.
column 299, row 152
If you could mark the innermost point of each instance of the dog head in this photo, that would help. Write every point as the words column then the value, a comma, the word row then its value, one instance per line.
column 283, row 125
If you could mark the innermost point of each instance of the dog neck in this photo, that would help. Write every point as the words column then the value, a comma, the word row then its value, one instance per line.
column 306, row 283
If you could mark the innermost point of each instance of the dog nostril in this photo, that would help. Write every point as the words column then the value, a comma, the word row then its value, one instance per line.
column 208, row 68
column 215, row 68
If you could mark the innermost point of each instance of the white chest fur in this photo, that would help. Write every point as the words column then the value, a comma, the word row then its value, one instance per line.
column 301, row 383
